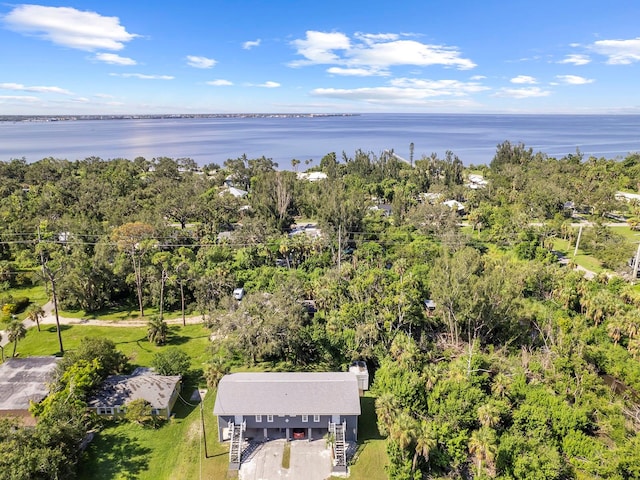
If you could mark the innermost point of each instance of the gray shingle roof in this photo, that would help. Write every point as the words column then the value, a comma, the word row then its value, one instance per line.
column 25, row 379
column 118, row 390
column 288, row 394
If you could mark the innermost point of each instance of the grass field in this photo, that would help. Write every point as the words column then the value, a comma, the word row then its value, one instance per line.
column 132, row 341
column 127, row 451
column 176, row 450
column 371, row 457
column 123, row 450
column 586, row 261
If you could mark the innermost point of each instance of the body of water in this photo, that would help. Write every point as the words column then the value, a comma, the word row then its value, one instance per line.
column 473, row 138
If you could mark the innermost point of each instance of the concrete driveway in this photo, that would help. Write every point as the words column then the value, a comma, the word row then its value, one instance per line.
column 309, row 461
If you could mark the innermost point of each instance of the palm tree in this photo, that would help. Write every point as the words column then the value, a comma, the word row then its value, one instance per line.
column 403, row 432
column 16, row 331
column 35, row 313
column 500, row 385
column 386, row 410
column 482, row 445
column 488, row 415
column 1, row 348
column 634, row 347
column 615, row 329
column 425, row 443
column 157, row 331
column 214, row 371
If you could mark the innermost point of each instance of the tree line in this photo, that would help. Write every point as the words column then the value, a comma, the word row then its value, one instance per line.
column 505, row 378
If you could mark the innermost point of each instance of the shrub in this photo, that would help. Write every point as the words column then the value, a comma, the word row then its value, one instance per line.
column 138, row 411
column 171, row 361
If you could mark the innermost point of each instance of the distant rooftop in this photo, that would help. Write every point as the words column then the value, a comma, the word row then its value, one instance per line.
column 118, row 390
column 23, row 380
column 290, row 393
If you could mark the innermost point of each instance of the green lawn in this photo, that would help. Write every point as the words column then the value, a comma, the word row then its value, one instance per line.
column 174, row 450
column 132, row 341
column 127, row 451
column 371, row 457
column 124, row 312
column 587, row 261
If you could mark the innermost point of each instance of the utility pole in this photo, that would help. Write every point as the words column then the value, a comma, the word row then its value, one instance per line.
column 635, row 263
column 339, row 246
column 204, row 434
column 575, row 252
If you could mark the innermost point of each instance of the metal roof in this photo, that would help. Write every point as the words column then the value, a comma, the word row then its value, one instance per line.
column 25, row 379
column 326, row 393
column 118, row 390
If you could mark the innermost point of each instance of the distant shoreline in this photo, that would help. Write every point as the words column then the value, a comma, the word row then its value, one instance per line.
column 62, row 118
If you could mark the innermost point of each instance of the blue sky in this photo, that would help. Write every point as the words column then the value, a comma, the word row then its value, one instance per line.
column 241, row 56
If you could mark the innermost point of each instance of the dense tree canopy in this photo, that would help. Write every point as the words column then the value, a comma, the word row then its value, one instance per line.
column 508, row 376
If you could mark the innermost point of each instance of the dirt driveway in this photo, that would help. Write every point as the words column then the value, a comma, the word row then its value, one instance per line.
column 309, row 461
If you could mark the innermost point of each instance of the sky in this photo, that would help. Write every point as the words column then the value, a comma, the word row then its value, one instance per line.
column 305, row 56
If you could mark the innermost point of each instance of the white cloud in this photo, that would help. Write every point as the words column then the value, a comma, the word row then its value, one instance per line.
column 389, row 96
column 620, row 52
column 142, row 76
column 251, row 43
column 220, row 83
column 200, row 62
column 408, row 91
column 268, row 85
column 24, row 88
column 527, row 92
column 69, row 27
column 524, row 79
column 114, row 59
column 408, row 52
column 433, row 88
column 318, row 48
column 19, row 98
column 371, row 38
column 576, row 59
column 357, row 72
column 373, row 51
column 477, row 77
column 574, row 79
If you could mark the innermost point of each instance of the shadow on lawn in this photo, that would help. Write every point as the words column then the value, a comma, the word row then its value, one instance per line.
column 53, row 328
column 175, row 339
column 368, row 421
column 114, row 455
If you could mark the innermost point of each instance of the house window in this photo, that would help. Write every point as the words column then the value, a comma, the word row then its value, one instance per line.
column 269, row 418
column 316, row 418
column 105, row 411
column 258, row 418
column 305, row 418
column 155, row 411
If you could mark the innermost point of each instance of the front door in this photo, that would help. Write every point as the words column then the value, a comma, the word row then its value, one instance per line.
column 335, row 418
column 238, row 419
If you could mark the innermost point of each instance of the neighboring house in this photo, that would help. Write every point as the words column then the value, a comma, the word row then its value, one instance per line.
column 118, row 390
column 236, row 192
column 476, row 182
column 22, row 381
column 455, row 205
column 627, row 197
column 310, row 229
column 290, row 405
column 430, row 197
column 385, row 208
column 312, row 176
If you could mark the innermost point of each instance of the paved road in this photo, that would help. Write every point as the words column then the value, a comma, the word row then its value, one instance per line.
column 49, row 318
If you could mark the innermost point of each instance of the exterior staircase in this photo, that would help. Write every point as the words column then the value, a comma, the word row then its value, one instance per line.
column 339, row 447
column 236, row 447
